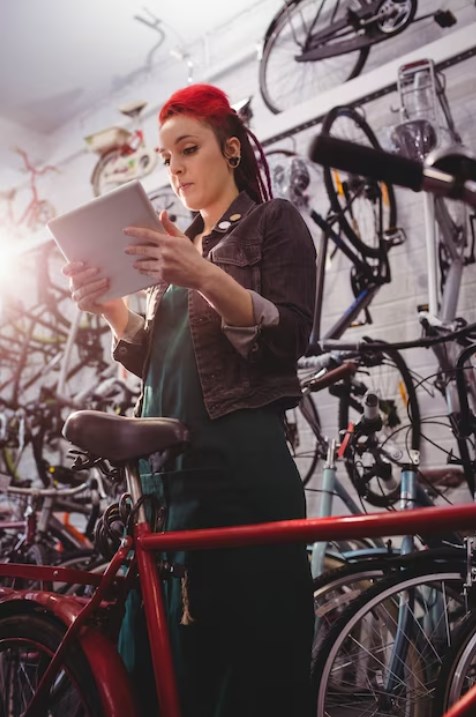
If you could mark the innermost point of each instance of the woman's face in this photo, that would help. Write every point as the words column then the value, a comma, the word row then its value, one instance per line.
column 199, row 173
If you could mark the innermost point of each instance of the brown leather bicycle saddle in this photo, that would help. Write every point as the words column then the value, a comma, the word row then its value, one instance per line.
column 119, row 438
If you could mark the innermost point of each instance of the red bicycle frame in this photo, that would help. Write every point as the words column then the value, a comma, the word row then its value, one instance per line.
column 112, row 682
column 28, row 215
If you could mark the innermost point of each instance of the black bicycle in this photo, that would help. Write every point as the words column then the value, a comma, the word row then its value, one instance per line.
column 313, row 45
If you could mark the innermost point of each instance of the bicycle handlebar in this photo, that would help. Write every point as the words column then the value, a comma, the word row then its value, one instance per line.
column 335, row 346
column 392, row 168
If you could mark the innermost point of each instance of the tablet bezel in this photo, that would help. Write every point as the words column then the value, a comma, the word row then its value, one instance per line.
column 93, row 233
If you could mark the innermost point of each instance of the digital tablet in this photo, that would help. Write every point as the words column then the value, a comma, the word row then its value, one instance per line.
column 93, row 233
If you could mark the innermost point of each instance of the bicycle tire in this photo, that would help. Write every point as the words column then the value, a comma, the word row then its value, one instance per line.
column 391, row 380
column 336, row 588
column 27, row 643
column 363, row 639
column 458, row 670
column 366, row 209
column 85, row 354
column 98, row 176
column 165, row 198
column 284, row 39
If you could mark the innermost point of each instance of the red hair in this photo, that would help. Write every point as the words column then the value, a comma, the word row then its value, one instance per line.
column 211, row 105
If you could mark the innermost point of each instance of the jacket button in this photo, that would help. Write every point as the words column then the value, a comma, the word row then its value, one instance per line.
column 122, row 351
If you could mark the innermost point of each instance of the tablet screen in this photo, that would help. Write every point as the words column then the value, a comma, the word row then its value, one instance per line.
column 93, row 233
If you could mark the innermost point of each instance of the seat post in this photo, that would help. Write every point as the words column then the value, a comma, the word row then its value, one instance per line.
column 134, row 487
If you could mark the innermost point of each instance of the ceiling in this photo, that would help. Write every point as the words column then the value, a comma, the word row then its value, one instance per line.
column 60, row 57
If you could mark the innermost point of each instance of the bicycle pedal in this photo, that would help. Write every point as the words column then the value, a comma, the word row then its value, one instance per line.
column 444, row 18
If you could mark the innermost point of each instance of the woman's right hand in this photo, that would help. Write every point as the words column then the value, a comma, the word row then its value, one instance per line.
column 87, row 288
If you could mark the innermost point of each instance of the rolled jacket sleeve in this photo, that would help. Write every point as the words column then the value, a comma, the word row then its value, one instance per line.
column 288, row 281
column 245, row 338
column 130, row 349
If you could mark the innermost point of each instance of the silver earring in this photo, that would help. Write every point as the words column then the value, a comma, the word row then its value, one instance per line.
column 234, row 162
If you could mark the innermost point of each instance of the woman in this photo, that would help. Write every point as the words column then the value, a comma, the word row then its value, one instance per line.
column 227, row 319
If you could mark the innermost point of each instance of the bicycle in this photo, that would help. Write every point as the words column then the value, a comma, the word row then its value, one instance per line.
column 319, row 45
column 36, row 213
column 363, row 564
column 334, row 653
column 123, row 154
column 39, row 537
column 458, row 668
column 164, row 198
column 60, row 654
column 422, row 135
column 455, row 183
column 370, row 589
column 365, row 213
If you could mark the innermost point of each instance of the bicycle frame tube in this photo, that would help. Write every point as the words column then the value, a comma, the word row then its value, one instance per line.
column 322, row 44
column 456, row 517
column 359, row 304
column 431, row 258
column 363, row 299
column 325, row 507
column 111, row 677
column 465, row 706
column 331, row 486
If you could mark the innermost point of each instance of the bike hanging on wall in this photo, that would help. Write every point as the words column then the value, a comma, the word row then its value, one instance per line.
column 123, row 154
column 35, row 214
column 313, row 45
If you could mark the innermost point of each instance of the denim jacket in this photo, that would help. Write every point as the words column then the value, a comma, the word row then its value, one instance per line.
column 267, row 248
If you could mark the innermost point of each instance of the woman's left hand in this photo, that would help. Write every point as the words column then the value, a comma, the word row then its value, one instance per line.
column 169, row 256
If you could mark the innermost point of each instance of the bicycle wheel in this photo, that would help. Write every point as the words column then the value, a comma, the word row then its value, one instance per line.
column 284, row 80
column 366, row 209
column 85, row 354
column 27, row 643
column 458, row 672
column 101, row 179
column 336, row 589
column 384, row 655
column 389, row 378
column 165, row 198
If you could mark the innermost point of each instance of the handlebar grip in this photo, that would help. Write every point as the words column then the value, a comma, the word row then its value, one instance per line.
column 348, row 368
column 367, row 161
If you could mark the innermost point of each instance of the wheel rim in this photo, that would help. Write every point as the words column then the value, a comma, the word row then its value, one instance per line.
column 365, row 208
column 285, row 82
column 400, row 14
column 165, row 199
column 22, row 663
column 357, row 671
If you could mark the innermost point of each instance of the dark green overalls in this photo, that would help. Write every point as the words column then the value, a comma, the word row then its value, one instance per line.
column 241, row 627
